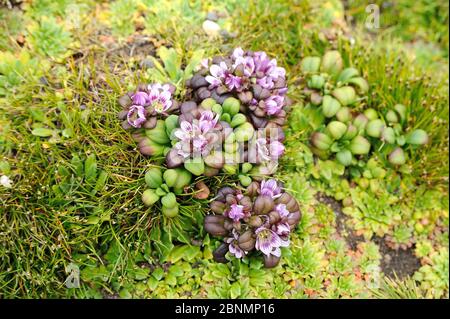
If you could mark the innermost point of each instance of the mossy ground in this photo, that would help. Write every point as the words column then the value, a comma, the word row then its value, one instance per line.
column 77, row 177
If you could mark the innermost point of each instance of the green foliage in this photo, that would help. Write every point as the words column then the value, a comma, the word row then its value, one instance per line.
column 48, row 38
column 170, row 70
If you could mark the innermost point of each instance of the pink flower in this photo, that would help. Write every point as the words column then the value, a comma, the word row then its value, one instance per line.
column 136, row 115
column 218, row 74
column 160, row 97
column 233, row 246
column 268, row 242
column 236, row 212
column 194, row 135
column 141, row 98
column 269, row 150
column 274, row 104
column 270, row 188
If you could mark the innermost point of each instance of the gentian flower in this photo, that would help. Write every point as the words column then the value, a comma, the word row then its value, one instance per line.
column 233, row 82
column 282, row 228
column 273, row 104
column 192, row 136
column 218, row 74
column 268, row 242
column 160, row 97
column 233, row 245
column 141, row 98
column 269, row 150
column 236, row 212
column 136, row 115
column 270, row 188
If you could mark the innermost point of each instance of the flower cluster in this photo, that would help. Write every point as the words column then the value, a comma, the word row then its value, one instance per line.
column 259, row 219
column 142, row 108
column 252, row 77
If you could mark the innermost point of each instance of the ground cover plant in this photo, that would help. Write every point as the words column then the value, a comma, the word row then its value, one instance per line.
column 223, row 149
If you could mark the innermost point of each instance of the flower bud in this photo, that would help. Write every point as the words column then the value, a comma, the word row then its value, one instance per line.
column 330, row 106
column 202, row 191
column 360, row 83
column 149, row 197
column 169, row 200
column 388, row 135
column 316, row 82
column 170, row 211
column 417, row 137
column 195, row 165
column 217, row 207
column 198, row 81
column 321, row 141
column 360, row 122
column 223, row 192
column 220, row 252
column 150, row 148
column 255, row 221
column 344, row 157
column 344, row 115
column 360, row 145
column 274, row 217
column 332, row 62
column 173, row 159
column 214, row 225
column 337, row 129
column 346, row 95
column 351, row 132
column 244, row 132
column 215, row 160
column 316, row 98
column 271, row 261
column 153, row 177
column 397, row 157
column 246, row 167
column 294, row 218
column 247, row 241
column 263, row 205
column 244, row 180
column 231, row 106
column 238, row 119
column 391, row 116
column 252, row 189
column 310, row 64
column 371, row 114
column 170, row 177
column 347, row 74
column 374, row 128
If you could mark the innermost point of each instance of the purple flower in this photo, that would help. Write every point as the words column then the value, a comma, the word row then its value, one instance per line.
column 282, row 210
column 269, row 242
column 274, row 104
column 266, row 67
column 265, row 82
column 270, row 188
column 282, row 229
column 233, row 82
column 194, row 134
column 141, row 98
column 233, row 246
column 236, row 212
column 136, row 115
column 218, row 74
column 160, row 97
column 269, row 150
